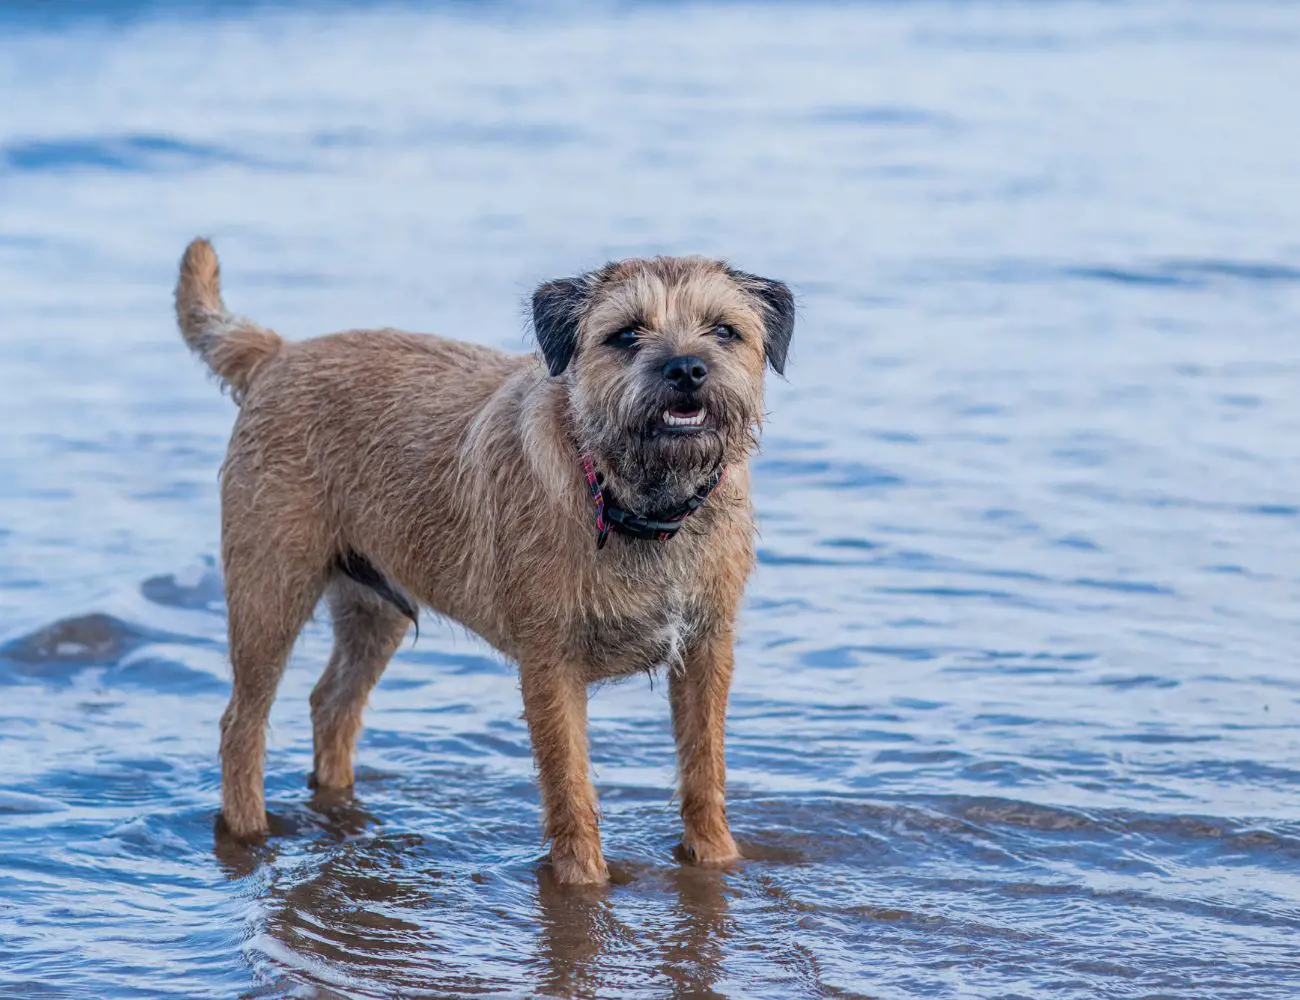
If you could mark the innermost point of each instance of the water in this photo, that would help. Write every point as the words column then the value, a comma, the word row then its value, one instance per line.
column 1016, row 713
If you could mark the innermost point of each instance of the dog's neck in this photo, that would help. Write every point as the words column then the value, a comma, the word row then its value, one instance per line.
column 654, row 493
column 656, row 526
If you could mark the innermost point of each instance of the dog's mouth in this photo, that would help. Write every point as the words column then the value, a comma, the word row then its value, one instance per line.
column 685, row 421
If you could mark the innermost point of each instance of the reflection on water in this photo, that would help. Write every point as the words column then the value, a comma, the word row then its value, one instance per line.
column 1015, row 713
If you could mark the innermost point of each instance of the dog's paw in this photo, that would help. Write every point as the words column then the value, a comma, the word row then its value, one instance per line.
column 332, row 771
column 250, row 830
column 712, row 851
column 579, row 868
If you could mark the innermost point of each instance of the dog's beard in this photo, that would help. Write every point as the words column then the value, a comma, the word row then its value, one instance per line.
column 649, row 468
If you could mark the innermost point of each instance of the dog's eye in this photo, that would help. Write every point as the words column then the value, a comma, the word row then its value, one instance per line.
column 724, row 332
column 624, row 339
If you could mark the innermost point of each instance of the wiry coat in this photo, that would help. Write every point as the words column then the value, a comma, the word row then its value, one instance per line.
column 451, row 471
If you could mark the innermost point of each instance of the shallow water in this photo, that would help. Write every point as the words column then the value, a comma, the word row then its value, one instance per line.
column 1016, row 712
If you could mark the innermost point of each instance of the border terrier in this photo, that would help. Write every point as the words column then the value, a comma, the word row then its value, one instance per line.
column 584, row 509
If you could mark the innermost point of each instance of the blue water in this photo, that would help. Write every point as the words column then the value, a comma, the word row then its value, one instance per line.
column 1017, row 711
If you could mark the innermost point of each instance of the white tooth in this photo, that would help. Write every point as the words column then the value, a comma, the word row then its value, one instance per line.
column 694, row 420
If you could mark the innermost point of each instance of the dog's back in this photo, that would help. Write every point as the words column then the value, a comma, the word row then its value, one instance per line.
column 342, row 439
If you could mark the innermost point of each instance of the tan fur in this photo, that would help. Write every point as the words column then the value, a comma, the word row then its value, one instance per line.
column 454, row 469
column 233, row 347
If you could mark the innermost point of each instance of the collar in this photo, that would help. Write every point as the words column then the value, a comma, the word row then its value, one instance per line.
column 659, row 527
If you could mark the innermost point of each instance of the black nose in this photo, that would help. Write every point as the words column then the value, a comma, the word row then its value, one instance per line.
column 687, row 373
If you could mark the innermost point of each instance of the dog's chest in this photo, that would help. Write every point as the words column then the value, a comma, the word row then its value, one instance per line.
column 645, row 636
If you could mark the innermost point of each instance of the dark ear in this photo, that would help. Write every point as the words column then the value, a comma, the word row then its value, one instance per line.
column 778, row 315
column 557, row 308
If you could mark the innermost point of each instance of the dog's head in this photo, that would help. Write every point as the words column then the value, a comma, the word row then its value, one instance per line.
column 664, row 363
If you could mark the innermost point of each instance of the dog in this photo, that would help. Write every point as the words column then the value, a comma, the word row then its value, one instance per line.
column 584, row 509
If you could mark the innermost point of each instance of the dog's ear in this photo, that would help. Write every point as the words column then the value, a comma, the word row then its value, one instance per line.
column 557, row 310
column 778, row 314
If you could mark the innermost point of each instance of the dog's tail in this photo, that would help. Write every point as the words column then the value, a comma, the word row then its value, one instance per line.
column 233, row 348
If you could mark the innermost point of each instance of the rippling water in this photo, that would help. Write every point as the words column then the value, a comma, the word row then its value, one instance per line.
column 1017, row 712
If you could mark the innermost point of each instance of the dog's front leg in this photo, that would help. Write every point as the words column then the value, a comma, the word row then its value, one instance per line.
column 698, row 691
column 555, row 704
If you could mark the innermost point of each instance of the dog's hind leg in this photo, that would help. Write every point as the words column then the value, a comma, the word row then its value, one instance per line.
column 367, row 631
column 271, row 588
